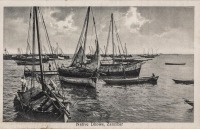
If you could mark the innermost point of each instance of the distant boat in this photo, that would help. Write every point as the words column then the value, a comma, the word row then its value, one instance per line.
column 187, row 82
column 130, row 60
column 126, row 81
column 175, row 63
column 57, row 53
column 81, row 72
column 29, row 60
column 148, row 56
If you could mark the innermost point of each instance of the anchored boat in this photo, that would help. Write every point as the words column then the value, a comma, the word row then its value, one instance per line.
column 187, row 82
column 40, row 100
column 129, row 81
column 28, row 73
column 175, row 63
column 114, row 68
column 81, row 72
column 29, row 60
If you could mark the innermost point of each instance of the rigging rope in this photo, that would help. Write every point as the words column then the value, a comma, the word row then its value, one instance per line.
column 108, row 38
column 28, row 38
column 80, row 41
column 117, row 35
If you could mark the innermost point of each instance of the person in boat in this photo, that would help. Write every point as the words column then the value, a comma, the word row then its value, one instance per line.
column 49, row 67
column 23, row 81
column 153, row 75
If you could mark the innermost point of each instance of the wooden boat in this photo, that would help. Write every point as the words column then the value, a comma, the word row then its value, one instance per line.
column 27, row 62
column 175, row 63
column 130, row 60
column 41, row 102
column 81, row 72
column 148, row 56
column 118, row 68
column 187, row 82
column 28, row 73
column 123, row 55
column 191, row 103
column 130, row 69
column 129, row 81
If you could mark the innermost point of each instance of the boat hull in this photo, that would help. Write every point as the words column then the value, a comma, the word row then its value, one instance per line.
column 129, row 81
column 187, row 82
column 78, row 76
column 148, row 56
column 7, row 57
column 132, row 70
column 175, row 63
column 84, row 82
column 128, row 60
column 75, row 72
column 42, row 107
column 19, row 62
column 28, row 73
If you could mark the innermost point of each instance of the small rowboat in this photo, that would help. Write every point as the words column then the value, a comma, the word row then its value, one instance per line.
column 187, row 82
column 152, row 80
column 191, row 103
column 175, row 63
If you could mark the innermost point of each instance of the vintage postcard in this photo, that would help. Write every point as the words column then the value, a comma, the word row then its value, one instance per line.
column 100, row 64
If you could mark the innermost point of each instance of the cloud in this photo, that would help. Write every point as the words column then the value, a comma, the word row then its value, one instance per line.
column 134, row 21
column 67, row 24
column 15, row 32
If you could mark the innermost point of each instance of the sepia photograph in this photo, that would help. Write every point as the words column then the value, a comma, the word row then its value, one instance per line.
column 98, row 65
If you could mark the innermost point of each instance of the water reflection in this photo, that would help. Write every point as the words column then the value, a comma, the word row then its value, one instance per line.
column 86, row 105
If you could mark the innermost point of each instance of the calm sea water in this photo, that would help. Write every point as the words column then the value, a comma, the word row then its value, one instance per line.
column 111, row 103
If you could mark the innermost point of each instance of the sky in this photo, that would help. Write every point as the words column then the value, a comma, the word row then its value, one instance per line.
column 167, row 30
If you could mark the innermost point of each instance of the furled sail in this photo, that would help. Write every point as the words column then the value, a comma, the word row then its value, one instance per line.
column 95, row 63
column 77, row 62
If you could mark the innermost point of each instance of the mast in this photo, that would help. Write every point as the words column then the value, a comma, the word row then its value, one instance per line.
column 84, row 45
column 97, row 43
column 126, row 49
column 39, row 49
column 112, row 38
column 95, row 27
column 108, row 38
column 33, row 49
column 57, row 48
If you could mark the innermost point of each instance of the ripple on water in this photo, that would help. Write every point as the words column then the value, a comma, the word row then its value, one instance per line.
column 112, row 103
